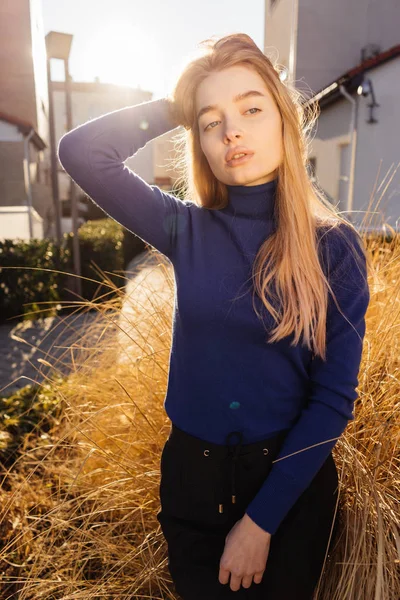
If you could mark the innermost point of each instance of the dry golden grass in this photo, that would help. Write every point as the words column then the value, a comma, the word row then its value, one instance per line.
column 78, row 509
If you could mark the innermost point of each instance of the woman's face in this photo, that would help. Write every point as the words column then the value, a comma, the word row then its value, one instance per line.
column 253, row 124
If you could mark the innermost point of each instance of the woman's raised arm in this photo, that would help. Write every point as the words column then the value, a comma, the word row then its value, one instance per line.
column 93, row 154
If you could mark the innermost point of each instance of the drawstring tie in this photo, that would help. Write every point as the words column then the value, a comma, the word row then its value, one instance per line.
column 233, row 453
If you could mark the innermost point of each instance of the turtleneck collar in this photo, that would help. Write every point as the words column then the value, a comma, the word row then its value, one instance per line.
column 252, row 200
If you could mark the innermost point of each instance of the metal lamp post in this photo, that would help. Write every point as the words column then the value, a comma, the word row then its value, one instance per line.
column 58, row 45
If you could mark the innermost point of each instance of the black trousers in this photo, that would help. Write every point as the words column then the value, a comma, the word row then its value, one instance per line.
column 198, row 480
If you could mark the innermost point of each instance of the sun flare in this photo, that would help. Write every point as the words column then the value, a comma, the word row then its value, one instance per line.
column 125, row 55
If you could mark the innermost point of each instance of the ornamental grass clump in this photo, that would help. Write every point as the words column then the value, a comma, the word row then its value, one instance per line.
column 79, row 500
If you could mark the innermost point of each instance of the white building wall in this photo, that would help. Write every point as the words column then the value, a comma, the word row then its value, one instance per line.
column 14, row 223
column 378, row 148
column 280, row 18
column 378, row 144
column 328, row 36
column 10, row 133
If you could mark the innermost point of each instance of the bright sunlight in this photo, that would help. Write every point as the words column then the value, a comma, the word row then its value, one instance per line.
column 125, row 55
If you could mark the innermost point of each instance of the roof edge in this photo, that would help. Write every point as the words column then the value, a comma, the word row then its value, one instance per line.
column 351, row 79
column 24, row 127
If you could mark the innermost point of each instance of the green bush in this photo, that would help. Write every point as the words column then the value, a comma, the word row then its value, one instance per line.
column 32, row 409
column 31, row 278
column 40, row 269
column 101, row 246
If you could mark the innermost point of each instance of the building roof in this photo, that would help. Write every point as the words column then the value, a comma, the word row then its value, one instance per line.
column 352, row 79
column 24, row 127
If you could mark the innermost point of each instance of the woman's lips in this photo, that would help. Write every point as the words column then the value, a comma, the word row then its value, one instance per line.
column 238, row 161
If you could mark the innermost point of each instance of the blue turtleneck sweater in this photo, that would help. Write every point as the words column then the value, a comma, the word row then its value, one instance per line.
column 223, row 375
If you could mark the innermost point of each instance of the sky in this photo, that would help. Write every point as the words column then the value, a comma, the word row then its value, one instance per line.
column 144, row 43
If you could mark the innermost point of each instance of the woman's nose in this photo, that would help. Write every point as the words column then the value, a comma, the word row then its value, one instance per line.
column 232, row 133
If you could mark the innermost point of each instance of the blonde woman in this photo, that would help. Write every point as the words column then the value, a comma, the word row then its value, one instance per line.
column 271, row 296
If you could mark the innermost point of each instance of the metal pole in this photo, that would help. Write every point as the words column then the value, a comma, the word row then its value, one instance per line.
column 353, row 138
column 74, row 208
column 27, row 140
column 53, row 158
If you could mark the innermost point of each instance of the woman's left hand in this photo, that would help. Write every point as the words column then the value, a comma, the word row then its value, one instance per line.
column 245, row 554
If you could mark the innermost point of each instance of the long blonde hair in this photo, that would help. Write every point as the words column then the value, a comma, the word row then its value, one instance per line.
column 288, row 257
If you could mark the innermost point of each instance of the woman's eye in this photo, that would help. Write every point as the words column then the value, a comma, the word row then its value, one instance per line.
column 212, row 123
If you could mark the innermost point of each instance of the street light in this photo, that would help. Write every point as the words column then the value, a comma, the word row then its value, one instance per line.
column 365, row 89
column 58, row 45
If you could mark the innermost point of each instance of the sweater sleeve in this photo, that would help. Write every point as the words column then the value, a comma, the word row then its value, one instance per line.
column 332, row 393
column 93, row 155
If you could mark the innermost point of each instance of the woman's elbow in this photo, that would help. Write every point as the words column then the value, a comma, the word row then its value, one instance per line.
column 69, row 150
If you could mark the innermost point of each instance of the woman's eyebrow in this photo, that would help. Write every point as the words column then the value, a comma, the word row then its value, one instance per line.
column 236, row 98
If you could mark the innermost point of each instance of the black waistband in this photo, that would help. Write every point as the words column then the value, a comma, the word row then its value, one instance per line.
column 233, row 442
column 230, row 450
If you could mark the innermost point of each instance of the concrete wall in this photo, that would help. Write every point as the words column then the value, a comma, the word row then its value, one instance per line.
column 24, row 95
column 14, row 180
column 280, row 17
column 14, row 223
column 40, row 70
column 378, row 150
column 17, row 83
column 12, row 184
column 329, row 35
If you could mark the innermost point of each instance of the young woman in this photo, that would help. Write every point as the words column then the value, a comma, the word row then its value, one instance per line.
column 261, row 385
